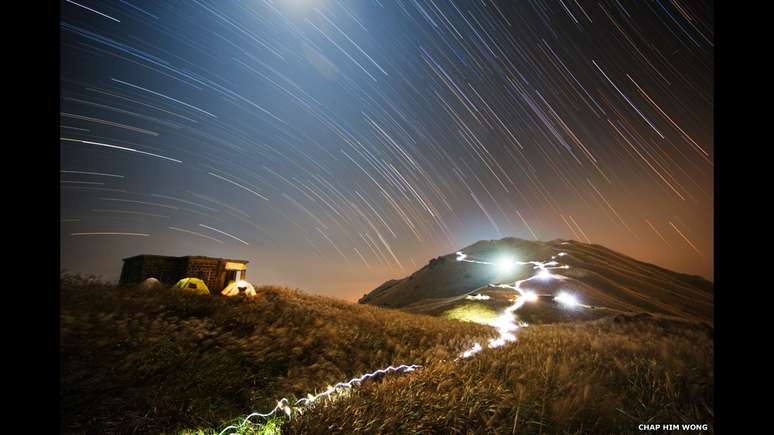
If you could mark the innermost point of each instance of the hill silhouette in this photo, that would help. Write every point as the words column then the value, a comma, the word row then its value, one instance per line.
column 602, row 278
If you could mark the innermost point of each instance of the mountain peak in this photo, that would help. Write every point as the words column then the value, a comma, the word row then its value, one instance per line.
column 599, row 275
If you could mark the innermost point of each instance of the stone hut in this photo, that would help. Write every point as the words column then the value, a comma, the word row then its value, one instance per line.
column 215, row 272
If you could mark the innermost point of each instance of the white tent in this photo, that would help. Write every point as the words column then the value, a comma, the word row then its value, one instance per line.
column 151, row 284
column 236, row 287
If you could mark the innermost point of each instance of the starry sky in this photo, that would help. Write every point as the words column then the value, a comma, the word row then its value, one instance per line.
column 337, row 144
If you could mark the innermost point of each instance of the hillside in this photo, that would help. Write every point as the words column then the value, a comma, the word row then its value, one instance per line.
column 167, row 361
column 599, row 377
column 139, row 361
column 609, row 281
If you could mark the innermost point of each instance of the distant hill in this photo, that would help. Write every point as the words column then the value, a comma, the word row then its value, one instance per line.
column 598, row 276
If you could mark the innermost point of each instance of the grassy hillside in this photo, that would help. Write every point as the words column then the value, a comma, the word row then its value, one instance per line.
column 599, row 276
column 603, row 376
column 545, row 310
column 141, row 361
column 138, row 361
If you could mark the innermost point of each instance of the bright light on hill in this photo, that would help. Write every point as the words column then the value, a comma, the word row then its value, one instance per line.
column 478, row 297
column 544, row 275
column 566, row 299
column 530, row 296
column 505, row 264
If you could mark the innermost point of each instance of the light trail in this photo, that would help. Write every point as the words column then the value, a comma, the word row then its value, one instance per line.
column 108, row 233
column 505, row 325
column 96, row 183
column 183, row 230
column 139, row 213
column 331, row 393
column 164, row 96
column 105, row 145
column 95, row 11
column 239, row 185
column 224, row 233
column 686, row 239
column 92, row 173
column 110, row 123
column 478, row 297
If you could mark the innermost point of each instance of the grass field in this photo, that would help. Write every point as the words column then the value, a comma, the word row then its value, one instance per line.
column 138, row 361
column 135, row 361
column 600, row 377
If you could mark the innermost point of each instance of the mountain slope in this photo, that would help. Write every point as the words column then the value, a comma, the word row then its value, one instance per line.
column 599, row 276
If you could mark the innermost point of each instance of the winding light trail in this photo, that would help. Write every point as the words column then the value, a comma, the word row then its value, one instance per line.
column 505, row 325
column 331, row 392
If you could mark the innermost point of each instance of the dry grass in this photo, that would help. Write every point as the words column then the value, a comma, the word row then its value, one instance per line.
column 136, row 361
column 168, row 362
column 605, row 376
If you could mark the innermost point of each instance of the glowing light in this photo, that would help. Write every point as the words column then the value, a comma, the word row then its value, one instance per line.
column 566, row 299
column 504, row 338
column 506, row 324
column 530, row 296
column 505, row 264
column 241, row 286
column 472, row 351
column 544, row 275
column 230, row 265
column 330, row 392
column 478, row 297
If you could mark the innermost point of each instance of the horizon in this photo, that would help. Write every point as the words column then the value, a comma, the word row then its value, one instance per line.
column 353, row 293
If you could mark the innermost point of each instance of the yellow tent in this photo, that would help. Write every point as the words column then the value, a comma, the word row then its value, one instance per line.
column 195, row 285
column 241, row 286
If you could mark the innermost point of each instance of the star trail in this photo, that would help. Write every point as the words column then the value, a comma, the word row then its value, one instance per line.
column 336, row 144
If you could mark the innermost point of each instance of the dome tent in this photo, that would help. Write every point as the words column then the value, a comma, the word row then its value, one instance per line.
column 236, row 287
column 194, row 285
column 151, row 284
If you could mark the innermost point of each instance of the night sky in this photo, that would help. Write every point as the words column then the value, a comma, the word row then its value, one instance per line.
column 336, row 144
